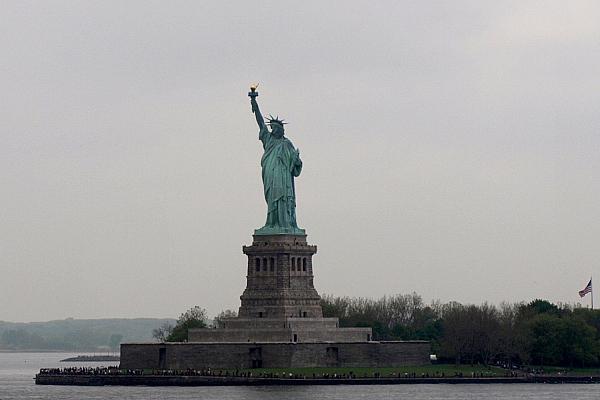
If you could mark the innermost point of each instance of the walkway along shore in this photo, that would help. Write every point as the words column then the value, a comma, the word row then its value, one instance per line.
column 46, row 377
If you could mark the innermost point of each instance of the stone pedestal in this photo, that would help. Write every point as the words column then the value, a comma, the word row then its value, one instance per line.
column 280, row 303
column 280, row 279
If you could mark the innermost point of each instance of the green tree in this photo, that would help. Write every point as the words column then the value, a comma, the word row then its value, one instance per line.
column 218, row 321
column 162, row 332
column 579, row 343
column 538, row 332
column 334, row 306
column 545, row 339
column 195, row 317
column 539, row 306
column 508, row 337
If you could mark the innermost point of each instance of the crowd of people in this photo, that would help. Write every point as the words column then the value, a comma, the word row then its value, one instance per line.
column 114, row 370
column 85, row 371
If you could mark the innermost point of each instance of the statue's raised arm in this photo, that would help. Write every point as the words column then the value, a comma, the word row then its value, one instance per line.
column 253, row 94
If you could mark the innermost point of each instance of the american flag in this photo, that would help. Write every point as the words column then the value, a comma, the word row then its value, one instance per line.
column 586, row 290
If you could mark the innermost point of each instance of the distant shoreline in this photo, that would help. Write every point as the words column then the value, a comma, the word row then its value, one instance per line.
column 49, row 351
column 93, row 358
column 39, row 351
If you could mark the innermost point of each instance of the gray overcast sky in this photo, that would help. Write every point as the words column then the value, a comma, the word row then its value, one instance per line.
column 449, row 148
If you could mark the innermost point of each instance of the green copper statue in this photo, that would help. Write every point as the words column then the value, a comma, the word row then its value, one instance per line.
column 280, row 164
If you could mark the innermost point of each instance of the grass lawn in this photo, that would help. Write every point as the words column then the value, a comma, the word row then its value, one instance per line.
column 448, row 370
column 570, row 371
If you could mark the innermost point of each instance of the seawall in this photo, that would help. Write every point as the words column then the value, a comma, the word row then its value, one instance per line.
column 161, row 380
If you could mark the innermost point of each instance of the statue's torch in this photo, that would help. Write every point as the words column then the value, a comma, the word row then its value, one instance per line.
column 253, row 93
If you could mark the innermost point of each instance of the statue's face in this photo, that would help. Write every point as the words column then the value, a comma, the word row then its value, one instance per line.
column 277, row 130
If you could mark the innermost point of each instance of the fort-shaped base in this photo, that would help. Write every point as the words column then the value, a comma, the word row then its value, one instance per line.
column 183, row 356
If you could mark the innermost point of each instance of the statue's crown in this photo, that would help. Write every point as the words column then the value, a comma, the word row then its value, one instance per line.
column 276, row 120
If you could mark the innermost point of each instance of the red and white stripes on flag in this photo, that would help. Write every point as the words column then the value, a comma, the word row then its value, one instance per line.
column 586, row 290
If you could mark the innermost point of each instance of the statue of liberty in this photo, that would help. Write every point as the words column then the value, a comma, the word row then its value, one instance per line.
column 280, row 164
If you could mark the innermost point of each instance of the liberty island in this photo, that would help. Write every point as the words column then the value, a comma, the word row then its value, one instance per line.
column 280, row 334
column 280, row 322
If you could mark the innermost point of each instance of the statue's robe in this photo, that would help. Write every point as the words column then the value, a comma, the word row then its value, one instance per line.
column 280, row 164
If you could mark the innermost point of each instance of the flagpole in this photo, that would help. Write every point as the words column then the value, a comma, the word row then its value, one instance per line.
column 592, row 292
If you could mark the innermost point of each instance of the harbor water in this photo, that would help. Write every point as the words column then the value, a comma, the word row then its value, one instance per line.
column 18, row 369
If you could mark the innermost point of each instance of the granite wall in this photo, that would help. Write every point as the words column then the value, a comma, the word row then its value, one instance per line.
column 280, row 335
column 273, row 355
